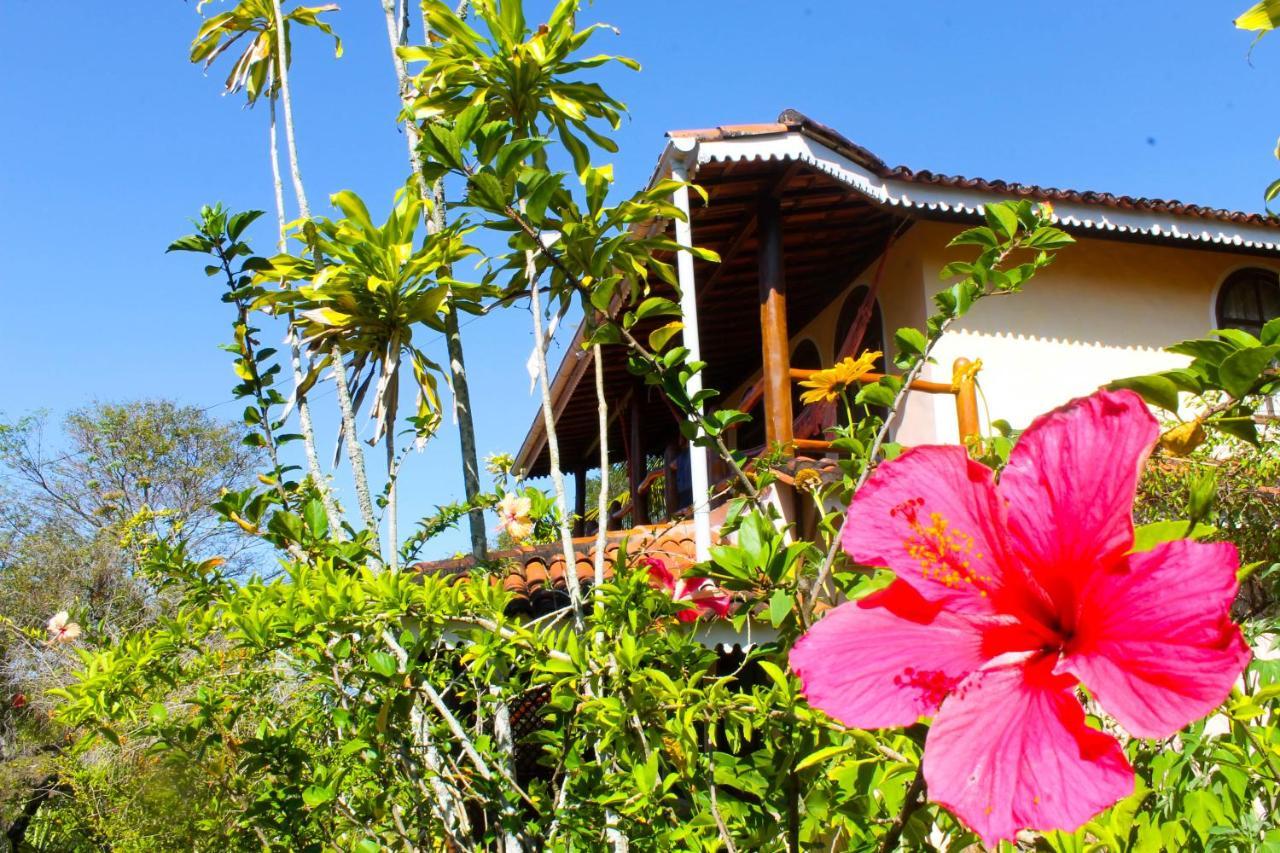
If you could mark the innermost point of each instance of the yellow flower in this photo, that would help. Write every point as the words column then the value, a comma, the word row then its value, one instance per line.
column 966, row 373
column 827, row 385
column 808, row 479
column 513, row 516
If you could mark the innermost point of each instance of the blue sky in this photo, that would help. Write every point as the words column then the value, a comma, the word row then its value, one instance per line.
column 112, row 140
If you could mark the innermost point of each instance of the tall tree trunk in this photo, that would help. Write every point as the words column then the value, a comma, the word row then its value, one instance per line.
column 393, row 534
column 286, row 101
column 433, row 214
column 355, row 453
column 466, row 427
column 504, row 740
column 295, row 353
column 553, row 444
column 354, row 450
column 602, row 500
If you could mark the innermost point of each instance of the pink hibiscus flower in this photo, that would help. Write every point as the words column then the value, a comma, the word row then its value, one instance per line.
column 62, row 629
column 1005, row 599
column 513, row 516
column 707, row 599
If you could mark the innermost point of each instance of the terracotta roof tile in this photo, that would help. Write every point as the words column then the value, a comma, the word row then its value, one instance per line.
column 536, row 577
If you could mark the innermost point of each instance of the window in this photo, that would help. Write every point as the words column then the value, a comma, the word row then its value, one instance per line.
column 872, row 338
column 1248, row 299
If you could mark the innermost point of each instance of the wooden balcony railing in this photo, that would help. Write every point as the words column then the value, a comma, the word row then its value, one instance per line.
column 965, row 391
column 642, row 491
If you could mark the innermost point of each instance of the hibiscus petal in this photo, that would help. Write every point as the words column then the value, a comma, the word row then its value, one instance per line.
column 933, row 516
column 1010, row 751
column 711, row 600
column 1070, row 484
column 1155, row 642
column 659, row 575
column 885, row 660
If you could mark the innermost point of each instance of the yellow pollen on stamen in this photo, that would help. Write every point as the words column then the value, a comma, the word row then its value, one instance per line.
column 945, row 555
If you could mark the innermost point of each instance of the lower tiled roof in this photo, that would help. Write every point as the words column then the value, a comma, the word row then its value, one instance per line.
column 535, row 575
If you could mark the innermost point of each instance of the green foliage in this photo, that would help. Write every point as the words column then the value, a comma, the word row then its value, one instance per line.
column 1232, row 488
column 255, row 68
column 337, row 706
column 129, row 474
column 1231, row 378
column 367, row 287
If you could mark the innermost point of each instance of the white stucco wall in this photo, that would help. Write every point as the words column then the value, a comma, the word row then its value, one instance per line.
column 1104, row 309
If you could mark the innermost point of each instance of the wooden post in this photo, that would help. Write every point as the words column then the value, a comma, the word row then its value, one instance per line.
column 773, row 327
column 670, row 490
column 635, row 467
column 580, row 499
column 966, row 402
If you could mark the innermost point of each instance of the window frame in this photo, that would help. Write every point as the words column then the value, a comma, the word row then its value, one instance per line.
column 1245, row 276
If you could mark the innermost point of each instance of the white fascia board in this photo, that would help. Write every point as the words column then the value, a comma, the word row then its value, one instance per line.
column 967, row 202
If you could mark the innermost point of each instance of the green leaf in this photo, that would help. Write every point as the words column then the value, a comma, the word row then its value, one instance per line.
column 775, row 674
column 1239, row 337
column 487, row 191
column 1049, row 238
column 190, row 243
column 314, row 515
column 239, row 222
column 656, row 306
column 1003, row 218
column 876, row 394
column 780, row 604
column 823, row 754
column 315, row 796
column 1261, row 17
column 910, row 340
column 1238, row 423
column 1149, row 536
column 980, row 236
column 661, row 336
column 1154, row 388
column 1271, row 332
column 1240, row 371
column 1208, row 349
column 1202, row 488
column 382, row 663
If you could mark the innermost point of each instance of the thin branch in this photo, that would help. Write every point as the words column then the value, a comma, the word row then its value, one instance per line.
column 553, row 446
column 911, row 802
column 715, row 806
column 638, row 348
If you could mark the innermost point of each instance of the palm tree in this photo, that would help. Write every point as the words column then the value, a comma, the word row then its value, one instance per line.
column 432, row 195
column 520, row 76
column 255, row 70
column 369, row 287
